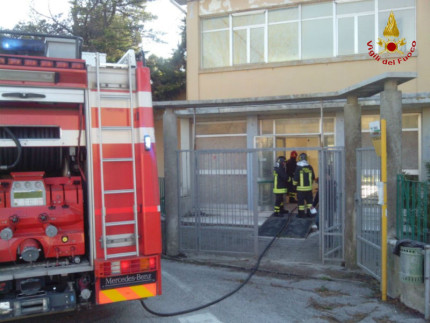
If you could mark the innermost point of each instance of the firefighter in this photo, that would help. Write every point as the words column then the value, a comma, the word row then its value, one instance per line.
column 303, row 179
column 291, row 168
column 280, row 179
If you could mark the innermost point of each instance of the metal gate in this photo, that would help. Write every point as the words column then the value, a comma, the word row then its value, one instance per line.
column 221, row 204
column 332, row 204
column 368, row 212
column 217, row 201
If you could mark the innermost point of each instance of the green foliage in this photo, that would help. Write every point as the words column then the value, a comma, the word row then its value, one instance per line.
column 168, row 75
column 107, row 26
column 113, row 27
column 41, row 26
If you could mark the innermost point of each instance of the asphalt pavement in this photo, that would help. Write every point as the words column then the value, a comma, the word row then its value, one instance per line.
column 328, row 295
column 269, row 296
column 291, row 285
column 337, row 294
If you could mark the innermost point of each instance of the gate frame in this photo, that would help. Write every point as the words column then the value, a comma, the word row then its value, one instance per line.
column 325, row 205
column 251, row 191
column 361, row 241
column 252, row 194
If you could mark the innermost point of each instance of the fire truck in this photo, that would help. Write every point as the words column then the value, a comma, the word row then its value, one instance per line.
column 79, row 198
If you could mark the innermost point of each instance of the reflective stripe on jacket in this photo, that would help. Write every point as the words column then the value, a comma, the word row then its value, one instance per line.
column 303, row 176
column 280, row 180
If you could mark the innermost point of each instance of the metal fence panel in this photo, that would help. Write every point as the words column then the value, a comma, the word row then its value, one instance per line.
column 412, row 209
column 368, row 212
column 224, row 195
column 216, row 202
column 332, row 204
column 188, row 221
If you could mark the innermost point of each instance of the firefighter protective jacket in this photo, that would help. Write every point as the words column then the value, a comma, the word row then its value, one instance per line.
column 303, row 176
column 280, row 180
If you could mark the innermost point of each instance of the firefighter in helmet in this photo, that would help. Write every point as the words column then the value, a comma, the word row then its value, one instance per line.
column 303, row 179
column 291, row 168
column 280, row 179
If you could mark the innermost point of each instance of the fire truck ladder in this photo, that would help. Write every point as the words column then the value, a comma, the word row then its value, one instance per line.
column 118, row 240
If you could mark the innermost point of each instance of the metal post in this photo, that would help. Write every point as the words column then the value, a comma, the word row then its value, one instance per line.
column 342, row 199
column 254, row 197
column 384, row 210
column 322, row 202
column 427, row 280
column 196, row 200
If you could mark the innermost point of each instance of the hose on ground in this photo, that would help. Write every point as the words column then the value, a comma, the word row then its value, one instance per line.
column 253, row 271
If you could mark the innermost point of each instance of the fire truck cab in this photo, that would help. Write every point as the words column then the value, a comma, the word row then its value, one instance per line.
column 79, row 197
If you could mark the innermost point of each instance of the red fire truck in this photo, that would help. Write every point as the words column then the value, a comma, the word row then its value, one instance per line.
column 79, row 198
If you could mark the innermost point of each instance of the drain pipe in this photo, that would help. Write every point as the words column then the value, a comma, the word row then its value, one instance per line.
column 427, row 280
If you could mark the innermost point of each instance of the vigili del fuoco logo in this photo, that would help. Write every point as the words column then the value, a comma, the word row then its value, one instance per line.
column 391, row 44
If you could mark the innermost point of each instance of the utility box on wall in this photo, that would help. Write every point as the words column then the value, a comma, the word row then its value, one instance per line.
column 375, row 134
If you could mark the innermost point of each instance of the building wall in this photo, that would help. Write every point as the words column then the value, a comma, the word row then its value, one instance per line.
column 293, row 77
column 302, row 76
column 290, row 80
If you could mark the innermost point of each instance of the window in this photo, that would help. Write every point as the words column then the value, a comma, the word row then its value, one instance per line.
column 298, row 129
column 317, row 30
column 215, row 41
column 248, row 38
column 355, row 26
column 283, row 34
column 304, row 31
column 295, row 126
column 403, row 17
column 410, row 142
column 266, row 127
column 221, row 135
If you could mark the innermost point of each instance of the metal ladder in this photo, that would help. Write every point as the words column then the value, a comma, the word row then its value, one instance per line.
column 120, row 240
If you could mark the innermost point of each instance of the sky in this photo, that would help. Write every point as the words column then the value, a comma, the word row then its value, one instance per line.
column 168, row 22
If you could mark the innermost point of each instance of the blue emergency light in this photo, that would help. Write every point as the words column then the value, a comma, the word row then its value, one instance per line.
column 22, row 45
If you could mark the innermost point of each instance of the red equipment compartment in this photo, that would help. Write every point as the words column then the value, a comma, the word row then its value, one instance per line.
column 35, row 228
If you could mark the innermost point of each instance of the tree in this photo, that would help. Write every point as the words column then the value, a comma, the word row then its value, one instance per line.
column 108, row 26
column 113, row 27
column 168, row 75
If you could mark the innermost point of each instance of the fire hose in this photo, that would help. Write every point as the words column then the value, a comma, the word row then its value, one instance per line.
column 253, row 271
column 18, row 146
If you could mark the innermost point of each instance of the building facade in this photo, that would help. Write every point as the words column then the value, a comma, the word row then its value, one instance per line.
column 273, row 74
column 240, row 51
